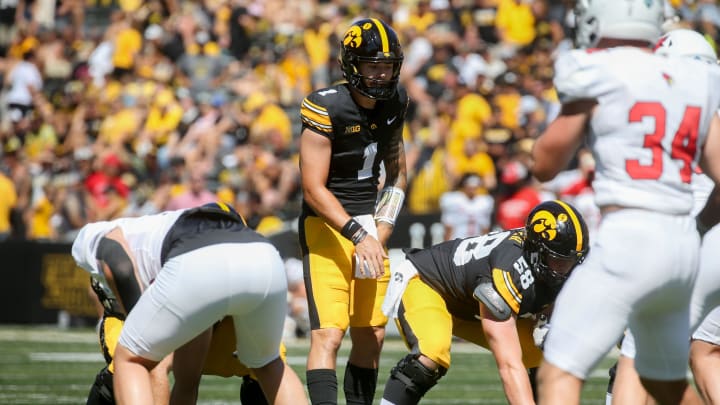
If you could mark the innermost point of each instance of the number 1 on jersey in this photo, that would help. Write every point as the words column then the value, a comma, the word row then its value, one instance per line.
column 368, row 160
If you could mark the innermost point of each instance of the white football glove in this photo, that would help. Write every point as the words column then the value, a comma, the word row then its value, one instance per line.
column 542, row 327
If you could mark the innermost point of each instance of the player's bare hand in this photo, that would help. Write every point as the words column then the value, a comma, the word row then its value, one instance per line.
column 370, row 253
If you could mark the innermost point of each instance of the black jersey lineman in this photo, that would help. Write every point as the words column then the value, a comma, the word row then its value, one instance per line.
column 440, row 302
column 455, row 268
column 490, row 290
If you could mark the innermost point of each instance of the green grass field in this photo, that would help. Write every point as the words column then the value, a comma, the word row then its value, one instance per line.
column 47, row 365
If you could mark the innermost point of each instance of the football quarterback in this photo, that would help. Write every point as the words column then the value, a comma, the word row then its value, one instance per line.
column 351, row 135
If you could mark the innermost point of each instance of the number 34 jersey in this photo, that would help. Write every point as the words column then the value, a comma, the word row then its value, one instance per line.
column 456, row 267
column 650, row 122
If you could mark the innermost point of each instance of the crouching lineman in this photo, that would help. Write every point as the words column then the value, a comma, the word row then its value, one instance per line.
column 220, row 360
column 176, row 274
column 490, row 290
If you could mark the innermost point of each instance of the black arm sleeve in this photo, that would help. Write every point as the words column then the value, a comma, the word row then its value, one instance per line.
column 112, row 253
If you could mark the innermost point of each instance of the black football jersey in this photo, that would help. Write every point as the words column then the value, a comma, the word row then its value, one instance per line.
column 455, row 268
column 361, row 138
column 206, row 225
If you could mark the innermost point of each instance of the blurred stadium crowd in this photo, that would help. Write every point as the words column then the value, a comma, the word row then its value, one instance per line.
column 124, row 107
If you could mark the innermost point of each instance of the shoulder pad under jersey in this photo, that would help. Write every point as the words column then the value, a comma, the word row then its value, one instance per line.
column 486, row 294
column 582, row 75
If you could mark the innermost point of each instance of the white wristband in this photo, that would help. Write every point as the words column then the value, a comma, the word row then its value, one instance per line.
column 390, row 202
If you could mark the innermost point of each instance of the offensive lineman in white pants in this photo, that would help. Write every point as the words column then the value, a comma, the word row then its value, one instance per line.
column 193, row 267
column 705, row 345
column 704, row 349
column 648, row 121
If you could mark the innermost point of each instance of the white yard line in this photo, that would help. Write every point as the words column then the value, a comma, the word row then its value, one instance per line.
column 67, row 357
column 49, row 334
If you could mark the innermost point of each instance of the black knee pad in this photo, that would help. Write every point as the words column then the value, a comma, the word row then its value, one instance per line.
column 101, row 392
column 417, row 378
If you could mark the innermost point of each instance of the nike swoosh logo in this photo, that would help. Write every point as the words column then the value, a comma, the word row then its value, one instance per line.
column 391, row 120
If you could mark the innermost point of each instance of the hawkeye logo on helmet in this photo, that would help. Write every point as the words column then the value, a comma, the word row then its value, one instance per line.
column 353, row 37
column 545, row 224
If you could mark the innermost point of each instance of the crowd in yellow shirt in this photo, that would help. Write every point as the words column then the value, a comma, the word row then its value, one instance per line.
column 173, row 87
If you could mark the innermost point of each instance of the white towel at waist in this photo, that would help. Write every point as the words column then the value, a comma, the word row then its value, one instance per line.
column 399, row 280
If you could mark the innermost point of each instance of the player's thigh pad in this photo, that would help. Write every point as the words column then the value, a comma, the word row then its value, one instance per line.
column 200, row 287
column 638, row 261
column 425, row 323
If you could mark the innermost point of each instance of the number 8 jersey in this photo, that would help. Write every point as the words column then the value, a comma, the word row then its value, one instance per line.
column 456, row 268
column 649, row 125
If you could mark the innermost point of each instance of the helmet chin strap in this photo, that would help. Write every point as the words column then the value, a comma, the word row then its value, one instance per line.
column 535, row 260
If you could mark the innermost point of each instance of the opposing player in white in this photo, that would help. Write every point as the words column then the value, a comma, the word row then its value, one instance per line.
column 705, row 345
column 186, row 270
column 647, row 119
column 466, row 212
column 704, row 351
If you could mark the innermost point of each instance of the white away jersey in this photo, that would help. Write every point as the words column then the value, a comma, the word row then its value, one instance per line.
column 467, row 217
column 646, row 132
column 144, row 235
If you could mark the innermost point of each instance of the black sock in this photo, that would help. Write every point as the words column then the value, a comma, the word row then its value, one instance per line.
column 322, row 386
column 360, row 385
column 251, row 392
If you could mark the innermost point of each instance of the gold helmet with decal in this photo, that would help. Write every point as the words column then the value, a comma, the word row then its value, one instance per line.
column 371, row 40
column 556, row 241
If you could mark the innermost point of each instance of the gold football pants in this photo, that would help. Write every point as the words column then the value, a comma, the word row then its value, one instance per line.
column 336, row 299
column 427, row 327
